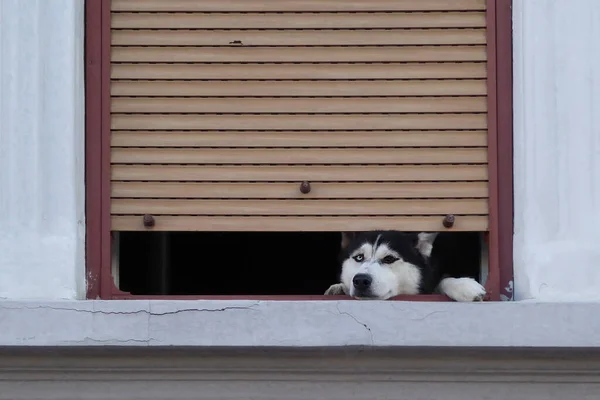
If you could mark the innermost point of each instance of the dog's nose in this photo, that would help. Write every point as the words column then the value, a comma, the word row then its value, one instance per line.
column 362, row 281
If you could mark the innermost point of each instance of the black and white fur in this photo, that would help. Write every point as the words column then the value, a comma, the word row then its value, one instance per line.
column 379, row 265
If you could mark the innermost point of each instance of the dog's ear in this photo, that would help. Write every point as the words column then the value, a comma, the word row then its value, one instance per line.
column 347, row 237
column 425, row 243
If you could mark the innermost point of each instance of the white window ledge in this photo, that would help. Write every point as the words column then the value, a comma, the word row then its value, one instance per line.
column 231, row 324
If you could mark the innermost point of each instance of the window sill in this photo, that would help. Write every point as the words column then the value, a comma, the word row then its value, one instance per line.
column 238, row 323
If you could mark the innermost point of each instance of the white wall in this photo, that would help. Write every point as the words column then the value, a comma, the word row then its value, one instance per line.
column 557, row 135
column 41, row 149
column 557, row 149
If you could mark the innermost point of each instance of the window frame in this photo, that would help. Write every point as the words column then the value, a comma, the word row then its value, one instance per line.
column 99, row 281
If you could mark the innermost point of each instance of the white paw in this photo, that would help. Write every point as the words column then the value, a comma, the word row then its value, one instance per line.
column 335, row 290
column 462, row 289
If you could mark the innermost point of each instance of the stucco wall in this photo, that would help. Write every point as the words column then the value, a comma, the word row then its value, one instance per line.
column 557, row 149
column 41, row 149
column 557, row 135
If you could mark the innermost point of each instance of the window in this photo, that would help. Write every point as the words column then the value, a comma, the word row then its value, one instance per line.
column 297, row 118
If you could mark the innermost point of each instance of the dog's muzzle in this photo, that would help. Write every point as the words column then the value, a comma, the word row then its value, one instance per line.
column 362, row 284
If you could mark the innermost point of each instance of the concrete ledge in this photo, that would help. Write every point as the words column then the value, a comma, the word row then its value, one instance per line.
column 115, row 373
column 267, row 324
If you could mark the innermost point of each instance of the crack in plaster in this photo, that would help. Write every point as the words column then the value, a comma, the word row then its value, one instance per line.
column 424, row 317
column 412, row 310
column 88, row 339
column 337, row 306
column 149, row 312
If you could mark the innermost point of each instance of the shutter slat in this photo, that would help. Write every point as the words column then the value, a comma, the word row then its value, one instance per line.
column 307, row 122
column 467, row 87
column 330, row 190
column 295, row 5
column 299, row 156
column 188, row 37
column 299, row 207
column 279, row 173
column 445, row 70
column 299, row 54
column 300, row 223
column 338, row 20
column 287, row 105
column 298, row 139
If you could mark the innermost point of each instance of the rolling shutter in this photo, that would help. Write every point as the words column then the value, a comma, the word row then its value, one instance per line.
column 224, row 113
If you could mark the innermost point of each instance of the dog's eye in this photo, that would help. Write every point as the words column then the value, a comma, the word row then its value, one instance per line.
column 358, row 257
column 389, row 259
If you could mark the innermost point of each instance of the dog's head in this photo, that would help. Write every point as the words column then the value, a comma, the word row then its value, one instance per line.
column 382, row 264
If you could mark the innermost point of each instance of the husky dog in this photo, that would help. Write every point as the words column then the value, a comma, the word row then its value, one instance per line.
column 379, row 265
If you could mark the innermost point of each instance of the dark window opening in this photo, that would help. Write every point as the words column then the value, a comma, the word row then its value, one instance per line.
column 252, row 263
column 228, row 263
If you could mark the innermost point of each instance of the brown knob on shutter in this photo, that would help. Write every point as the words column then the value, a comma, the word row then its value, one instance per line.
column 149, row 221
column 305, row 187
column 448, row 221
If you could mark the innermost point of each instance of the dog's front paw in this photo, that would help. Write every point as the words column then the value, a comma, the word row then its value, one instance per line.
column 462, row 289
column 335, row 290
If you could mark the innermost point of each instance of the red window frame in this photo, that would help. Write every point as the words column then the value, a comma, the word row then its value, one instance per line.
column 97, row 159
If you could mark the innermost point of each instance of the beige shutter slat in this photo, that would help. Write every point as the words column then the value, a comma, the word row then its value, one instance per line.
column 299, row 54
column 291, row 105
column 446, row 70
column 466, row 87
column 295, row 5
column 308, row 122
column 189, row 37
column 278, row 173
column 125, row 20
column 315, row 224
column 299, row 207
column 300, row 156
column 298, row 139
column 329, row 190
